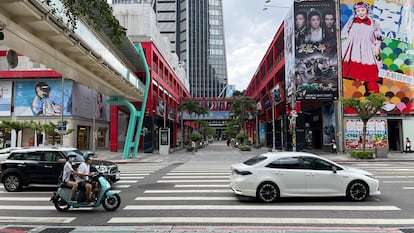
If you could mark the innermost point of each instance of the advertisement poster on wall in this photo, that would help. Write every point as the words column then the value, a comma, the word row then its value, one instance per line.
column 377, row 51
column 316, row 65
column 42, row 97
column 290, row 52
column 376, row 134
column 5, row 97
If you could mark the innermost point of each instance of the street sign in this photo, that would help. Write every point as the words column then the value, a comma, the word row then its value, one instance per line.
column 61, row 126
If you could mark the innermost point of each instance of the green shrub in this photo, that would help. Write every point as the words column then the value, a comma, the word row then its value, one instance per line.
column 245, row 148
column 240, row 137
column 196, row 137
column 362, row 154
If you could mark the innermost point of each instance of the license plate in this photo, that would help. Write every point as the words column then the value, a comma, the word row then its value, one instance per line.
column 117, row 176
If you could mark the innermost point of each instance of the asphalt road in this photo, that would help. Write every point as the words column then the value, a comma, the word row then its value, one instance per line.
column 191, row 195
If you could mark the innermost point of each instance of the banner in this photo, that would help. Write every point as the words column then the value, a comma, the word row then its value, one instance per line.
column 315, row 39
column 376, row 134
column 42, row 97
column 5, row 98
column 377, row 51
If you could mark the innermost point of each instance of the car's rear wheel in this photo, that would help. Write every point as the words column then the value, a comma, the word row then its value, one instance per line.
column 13, row 183
column 268, row 192
column 357, row 190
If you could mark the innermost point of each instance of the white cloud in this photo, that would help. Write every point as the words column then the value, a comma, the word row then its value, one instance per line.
column 248, row 33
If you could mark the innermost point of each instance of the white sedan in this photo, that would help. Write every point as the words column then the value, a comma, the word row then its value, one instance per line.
column 298, row 174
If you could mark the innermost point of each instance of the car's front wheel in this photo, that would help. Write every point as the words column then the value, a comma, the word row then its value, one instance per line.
column 13, row 183
column 357, row 191
column 268, row 192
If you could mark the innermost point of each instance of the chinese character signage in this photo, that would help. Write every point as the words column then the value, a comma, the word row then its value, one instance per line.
column 376, row 134
column 377, row 51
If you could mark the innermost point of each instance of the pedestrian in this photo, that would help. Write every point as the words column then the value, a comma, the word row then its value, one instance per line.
column 333, row 143
column 193, row 145
column 228, row 141
column 407, row 145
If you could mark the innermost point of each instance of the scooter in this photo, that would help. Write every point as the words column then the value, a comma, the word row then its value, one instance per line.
column 109, row 199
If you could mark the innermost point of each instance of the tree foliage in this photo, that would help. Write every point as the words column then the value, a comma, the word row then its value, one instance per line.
column 366, row 108
column 192, row 107
column 241, row 109
column 97, row 13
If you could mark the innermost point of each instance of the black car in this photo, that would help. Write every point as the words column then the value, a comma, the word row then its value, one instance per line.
column 43, row 165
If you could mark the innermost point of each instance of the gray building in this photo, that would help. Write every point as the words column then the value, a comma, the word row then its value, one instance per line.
column 195, row 30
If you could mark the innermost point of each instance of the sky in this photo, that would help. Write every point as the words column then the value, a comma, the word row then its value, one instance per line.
column 248, row 31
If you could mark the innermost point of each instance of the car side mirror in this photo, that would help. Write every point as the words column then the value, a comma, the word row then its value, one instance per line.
column 334, row 169
column 62, row 160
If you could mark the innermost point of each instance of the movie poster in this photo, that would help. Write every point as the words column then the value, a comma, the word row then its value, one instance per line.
column 42, row 98
column 315, row 37
column 377, row 51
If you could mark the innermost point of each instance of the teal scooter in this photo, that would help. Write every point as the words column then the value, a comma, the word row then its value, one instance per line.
column 109, row 199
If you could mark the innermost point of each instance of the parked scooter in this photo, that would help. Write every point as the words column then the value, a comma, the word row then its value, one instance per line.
column 109, row 199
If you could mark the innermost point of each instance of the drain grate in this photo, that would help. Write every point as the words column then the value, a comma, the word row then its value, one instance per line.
column 57, row 230
column 407, row 230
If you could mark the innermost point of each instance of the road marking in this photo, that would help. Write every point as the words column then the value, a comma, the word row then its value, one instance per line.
column 410, row 188
column 394, row 177
column 199, row 198
column 134, row 174
column 191, row 191
column 193, row 181
column 126, row 181
column 37, row 219
column 24, row 198
column 122, row 186
column 398, row 181
column 26, row 207
column 261, row 220
column 201, row 186
column 131, row 177
column 260, row 207
column 192, row 177
column 197, row 173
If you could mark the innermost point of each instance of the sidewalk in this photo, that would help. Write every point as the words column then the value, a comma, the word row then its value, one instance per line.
column 220, row 151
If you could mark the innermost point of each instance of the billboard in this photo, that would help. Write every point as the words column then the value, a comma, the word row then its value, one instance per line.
column 42, row 98
column 315, row 39
column 5, row 97
column 377, row 51
column 377, row 135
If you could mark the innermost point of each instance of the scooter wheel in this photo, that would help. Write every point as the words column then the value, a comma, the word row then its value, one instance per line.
column 111, row 203
column 61, row 205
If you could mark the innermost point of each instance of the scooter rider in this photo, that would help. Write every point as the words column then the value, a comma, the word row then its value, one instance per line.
column 67, row 171
column 82, row 179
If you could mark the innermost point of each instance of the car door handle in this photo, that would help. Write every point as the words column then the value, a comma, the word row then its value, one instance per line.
column 21, row 165
column 47, row 166
column 310, row 174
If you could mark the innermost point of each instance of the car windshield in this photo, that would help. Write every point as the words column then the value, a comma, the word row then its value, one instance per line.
column 256, row 159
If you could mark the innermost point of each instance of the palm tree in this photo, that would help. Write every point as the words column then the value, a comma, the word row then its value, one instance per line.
column 241, row 109
column 365, row 108
column 191, row 107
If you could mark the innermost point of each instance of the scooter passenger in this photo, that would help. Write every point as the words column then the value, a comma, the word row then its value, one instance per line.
column 67, row 171
column 84, row 183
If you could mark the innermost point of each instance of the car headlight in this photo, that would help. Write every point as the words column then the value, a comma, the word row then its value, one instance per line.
column 370, row 176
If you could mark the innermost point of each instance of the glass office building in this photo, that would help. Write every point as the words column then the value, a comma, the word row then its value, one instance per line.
column 195, row 30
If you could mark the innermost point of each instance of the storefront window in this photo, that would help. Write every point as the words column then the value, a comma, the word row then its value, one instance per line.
column 101, row 137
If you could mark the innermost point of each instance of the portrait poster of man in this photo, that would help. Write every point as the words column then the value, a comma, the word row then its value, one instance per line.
column 377, row 52
column 42, row 98
column 316, row 66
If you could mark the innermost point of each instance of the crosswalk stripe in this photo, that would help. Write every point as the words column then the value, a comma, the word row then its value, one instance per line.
column 408, row 188
column 122, row 186
column 191, row 191
column 26, row 207
column 54, row 219
column 24, row 198
column 261, row 220
column 393, row 177
column 192, row 177
column 197, row 173
column 134, row 174
column 131, row 177
column 398, row 181
column 260, row 207
column 193, row 181
column 126, row 181
column 201, row 185
column 194, row 198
